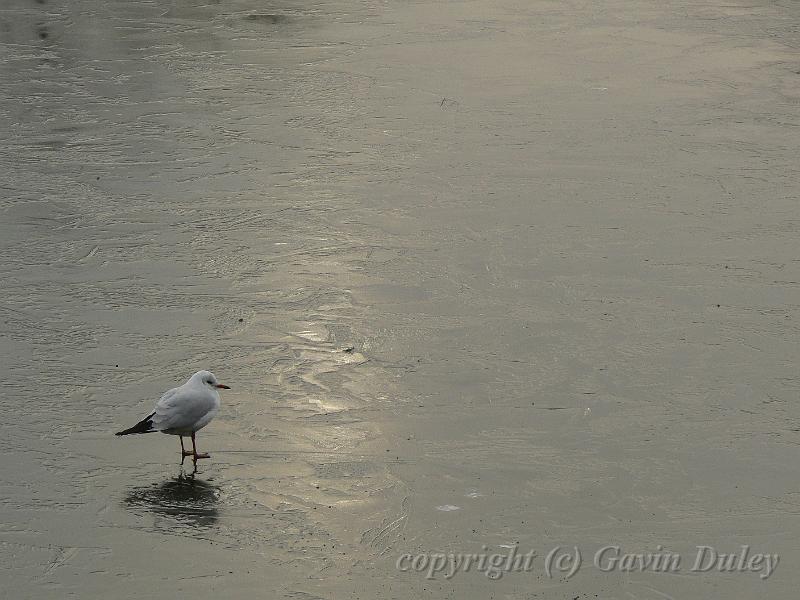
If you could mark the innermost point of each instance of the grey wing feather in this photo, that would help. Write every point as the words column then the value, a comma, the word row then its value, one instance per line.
column 162, row 410
column 177, row 411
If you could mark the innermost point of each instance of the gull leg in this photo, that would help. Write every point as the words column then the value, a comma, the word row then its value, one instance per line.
column 184, row 452
column 195, row 455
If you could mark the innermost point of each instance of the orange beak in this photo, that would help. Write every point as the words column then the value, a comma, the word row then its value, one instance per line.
column 222, row 387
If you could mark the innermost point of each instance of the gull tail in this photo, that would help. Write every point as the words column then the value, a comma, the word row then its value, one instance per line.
column 143, row 426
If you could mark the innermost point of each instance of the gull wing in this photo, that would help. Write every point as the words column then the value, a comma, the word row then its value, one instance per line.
column 179, row 409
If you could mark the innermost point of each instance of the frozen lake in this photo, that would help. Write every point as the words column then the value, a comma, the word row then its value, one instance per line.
column 483, row 275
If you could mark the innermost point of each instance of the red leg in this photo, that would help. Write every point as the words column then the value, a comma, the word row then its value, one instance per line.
column 184, row 452
column 195, row 455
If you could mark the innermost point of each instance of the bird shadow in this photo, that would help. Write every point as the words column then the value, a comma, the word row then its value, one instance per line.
column 185, row 500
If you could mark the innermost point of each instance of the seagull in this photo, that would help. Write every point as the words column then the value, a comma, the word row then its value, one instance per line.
column 183, row 411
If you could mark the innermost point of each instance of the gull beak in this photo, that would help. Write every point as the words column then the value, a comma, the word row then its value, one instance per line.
column 222, row 387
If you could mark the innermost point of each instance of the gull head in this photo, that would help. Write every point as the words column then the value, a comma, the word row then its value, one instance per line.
column 207, row 378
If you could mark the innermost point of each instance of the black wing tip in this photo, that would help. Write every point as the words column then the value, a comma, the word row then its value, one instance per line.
column 143, row 426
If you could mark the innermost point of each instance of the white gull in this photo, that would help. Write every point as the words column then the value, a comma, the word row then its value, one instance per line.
column 183, row 411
